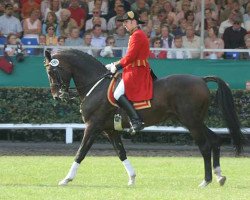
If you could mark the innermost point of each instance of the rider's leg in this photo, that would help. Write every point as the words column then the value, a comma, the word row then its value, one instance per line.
column 136, row 122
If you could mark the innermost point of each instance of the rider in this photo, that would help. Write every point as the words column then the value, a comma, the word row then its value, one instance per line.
column 136, row 83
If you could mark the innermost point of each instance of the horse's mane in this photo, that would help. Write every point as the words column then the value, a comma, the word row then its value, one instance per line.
column 82, row 57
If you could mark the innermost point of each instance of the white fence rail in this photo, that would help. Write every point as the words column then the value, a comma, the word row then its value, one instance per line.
column 70, row 127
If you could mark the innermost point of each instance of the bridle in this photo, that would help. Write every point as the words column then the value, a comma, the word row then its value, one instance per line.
column 63, row 92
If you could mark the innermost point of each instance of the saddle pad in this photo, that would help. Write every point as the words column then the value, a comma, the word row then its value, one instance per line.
column 110, row 94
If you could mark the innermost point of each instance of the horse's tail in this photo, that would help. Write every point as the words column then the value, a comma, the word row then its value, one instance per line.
column 226, row 103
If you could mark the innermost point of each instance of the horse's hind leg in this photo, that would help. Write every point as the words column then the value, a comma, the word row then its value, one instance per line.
column 215, row 141
column 198, row 133
column 87, row 141
column 115, row 139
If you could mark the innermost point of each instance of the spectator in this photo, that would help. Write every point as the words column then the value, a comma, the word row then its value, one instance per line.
column 234, row 35
column 66, row 23
column 28, row 7
column 42, row 40
column 162, row 14
column 209, row 20
column 51, row 20
column 11, row 40
column 87, row 38
column 98, row 40
column 246, row 55
column 120, row 11
column 169, row 9
column 230, row 5
column 181, row 29
column 51, row 38
column 96, row 19
column 16, row 8
column 74, row 38
column 60, row 42
column 154, row 10
column 189, row 16
column 55, row 6
column 101, row 5
column 144, row 16
column 78, row 14
column 138, row 5
column 177, row 52
column 42, row 43
column 114, row 3
column 213, row 42
column 121, row 37
column 185, row 7
column 32, row 26
column 166, row 37
column 9, row 23
column 45, row 4
column 147, row 31
column 246, row 18
column 108, row 50
column 191, row 41
column 157, row 54
column 229, row 22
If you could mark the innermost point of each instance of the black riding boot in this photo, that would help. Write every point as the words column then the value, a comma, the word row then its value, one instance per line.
column 135, row 121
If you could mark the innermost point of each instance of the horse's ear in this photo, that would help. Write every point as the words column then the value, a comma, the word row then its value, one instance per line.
column 47, row 55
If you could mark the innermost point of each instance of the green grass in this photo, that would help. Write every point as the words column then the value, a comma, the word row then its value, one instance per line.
column 104, row 178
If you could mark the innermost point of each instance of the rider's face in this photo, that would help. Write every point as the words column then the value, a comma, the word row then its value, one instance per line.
column 129, row 24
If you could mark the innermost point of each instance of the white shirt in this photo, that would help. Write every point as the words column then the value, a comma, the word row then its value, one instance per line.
column 10, row 25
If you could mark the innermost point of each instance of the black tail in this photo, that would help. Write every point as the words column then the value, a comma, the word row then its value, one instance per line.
column 226, row 104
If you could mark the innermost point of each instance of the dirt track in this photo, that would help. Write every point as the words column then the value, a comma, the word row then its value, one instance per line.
column 61, row 149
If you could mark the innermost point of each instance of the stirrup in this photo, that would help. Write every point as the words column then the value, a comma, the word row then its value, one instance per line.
column 136, row 126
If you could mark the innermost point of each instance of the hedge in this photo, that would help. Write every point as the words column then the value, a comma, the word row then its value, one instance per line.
column 36, row 105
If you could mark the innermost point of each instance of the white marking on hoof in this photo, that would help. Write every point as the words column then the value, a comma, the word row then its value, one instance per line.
column 131, row 181
column 221, row 180
column 204, row 183
column 64, row 182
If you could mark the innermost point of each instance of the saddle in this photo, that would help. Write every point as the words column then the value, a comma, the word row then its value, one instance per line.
column 110, row 94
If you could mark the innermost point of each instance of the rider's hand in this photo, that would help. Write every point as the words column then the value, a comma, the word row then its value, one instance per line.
column 111, row 67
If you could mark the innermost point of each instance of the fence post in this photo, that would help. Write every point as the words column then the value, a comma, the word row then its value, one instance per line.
column 69, row 135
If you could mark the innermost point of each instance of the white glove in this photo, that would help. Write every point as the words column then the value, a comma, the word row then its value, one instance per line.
column 111, row 67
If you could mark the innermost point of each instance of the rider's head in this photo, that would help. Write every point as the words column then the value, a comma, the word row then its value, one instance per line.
column 130, row 20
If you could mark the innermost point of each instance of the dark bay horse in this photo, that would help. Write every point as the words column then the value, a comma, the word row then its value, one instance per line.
column 181, row 97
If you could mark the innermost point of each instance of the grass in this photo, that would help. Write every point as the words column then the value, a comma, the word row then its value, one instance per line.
column 104, row 178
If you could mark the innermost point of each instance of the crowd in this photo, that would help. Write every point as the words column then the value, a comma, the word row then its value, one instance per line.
column 172, row 26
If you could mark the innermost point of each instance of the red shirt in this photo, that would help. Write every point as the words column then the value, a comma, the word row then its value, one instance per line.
column 136, row 71
column 78, row 14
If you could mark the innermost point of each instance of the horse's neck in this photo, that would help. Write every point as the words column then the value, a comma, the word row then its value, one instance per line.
column 86, row 81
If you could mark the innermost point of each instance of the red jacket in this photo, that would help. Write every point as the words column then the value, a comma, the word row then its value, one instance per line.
column 136, row 71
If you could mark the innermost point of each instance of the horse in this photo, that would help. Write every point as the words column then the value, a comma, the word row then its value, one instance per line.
column 184, row 98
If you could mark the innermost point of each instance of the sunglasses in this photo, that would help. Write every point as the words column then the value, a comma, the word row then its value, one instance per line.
column 51, row 29
column 95, row 12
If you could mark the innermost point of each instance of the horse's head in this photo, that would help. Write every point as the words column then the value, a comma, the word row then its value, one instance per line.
column 58, row 84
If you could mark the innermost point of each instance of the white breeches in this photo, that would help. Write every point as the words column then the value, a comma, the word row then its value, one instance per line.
column 120, row 90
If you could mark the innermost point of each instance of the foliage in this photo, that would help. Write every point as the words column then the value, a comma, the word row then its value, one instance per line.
column 35, row 105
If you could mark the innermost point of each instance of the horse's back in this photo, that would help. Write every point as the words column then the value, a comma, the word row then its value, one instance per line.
column 176, row 93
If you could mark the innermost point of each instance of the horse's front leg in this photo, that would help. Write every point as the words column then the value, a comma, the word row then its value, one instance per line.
column 87, row 141
column 115, row 139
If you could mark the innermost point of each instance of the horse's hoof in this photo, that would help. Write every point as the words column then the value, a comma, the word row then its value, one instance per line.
column 222, row 180
column 204, row 183
column 131, row 181
column 64, row 182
